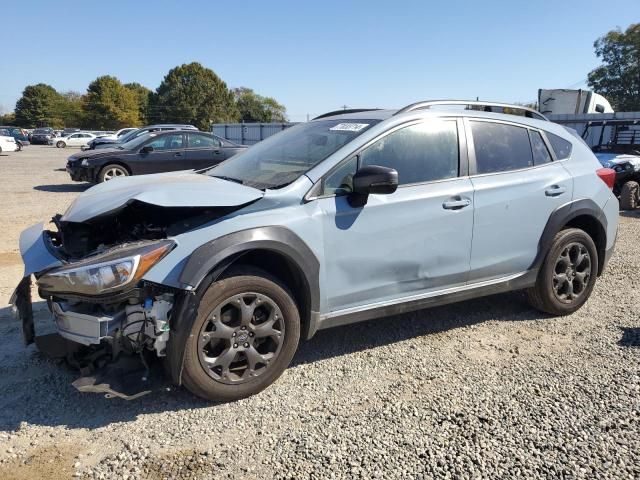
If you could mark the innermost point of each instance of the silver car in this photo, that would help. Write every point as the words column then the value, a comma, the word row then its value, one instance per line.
column 345, row 218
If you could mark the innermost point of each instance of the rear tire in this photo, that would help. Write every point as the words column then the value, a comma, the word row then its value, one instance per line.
column 245, row 334
column 568, row 274
column 630, row 196
column 61, row 144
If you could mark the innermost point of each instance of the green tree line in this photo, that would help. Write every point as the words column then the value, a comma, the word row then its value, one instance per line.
column 189, row 93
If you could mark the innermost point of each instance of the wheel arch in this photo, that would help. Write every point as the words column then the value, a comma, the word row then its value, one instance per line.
column 277, row 250
column 584, row 214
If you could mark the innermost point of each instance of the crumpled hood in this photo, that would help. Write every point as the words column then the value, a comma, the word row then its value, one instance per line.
column 173, row 189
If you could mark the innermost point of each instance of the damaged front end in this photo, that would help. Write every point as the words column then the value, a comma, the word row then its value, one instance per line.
column 92, row 269
column 91, row 275
column 102, row 309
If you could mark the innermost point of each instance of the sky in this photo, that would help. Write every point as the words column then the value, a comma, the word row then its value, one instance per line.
column 316, row 56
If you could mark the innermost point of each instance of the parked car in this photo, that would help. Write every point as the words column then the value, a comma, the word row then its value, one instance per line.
column 7, row 142
column 68, row 131
column 78, row 139
column 20, row 135
column 152, row 153
column 41, row 136
column 337, row 220
column 618, row 147
column 118, row 134
column 108, row 143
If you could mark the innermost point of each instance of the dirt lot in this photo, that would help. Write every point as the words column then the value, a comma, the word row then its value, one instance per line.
column 484, row 389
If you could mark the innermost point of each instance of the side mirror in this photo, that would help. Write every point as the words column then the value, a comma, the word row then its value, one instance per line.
column 147, row 149
column 372, row 179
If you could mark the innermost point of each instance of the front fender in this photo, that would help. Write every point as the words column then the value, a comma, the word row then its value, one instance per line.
column 205, row 258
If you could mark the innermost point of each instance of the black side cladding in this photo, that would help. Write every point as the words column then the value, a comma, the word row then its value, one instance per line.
column 565, row 214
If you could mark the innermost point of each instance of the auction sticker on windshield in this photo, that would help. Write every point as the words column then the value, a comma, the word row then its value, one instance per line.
column 349, row 127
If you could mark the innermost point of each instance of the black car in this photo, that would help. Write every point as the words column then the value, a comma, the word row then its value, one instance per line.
column 152, row 153
column 42, row 135
column 110, row 142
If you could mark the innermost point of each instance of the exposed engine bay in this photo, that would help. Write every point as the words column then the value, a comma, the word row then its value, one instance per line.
column 134, row 221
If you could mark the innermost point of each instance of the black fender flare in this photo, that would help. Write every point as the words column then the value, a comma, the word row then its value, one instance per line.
column 563, row 215
column 211, row 259
column 212, row 254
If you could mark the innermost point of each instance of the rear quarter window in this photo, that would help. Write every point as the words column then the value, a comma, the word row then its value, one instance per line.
column 561, row 147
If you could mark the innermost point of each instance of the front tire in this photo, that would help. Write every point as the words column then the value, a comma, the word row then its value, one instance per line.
column 630, row 195
column 61, row 144
column 568, row 274
column 245, row 334
column 112, row 171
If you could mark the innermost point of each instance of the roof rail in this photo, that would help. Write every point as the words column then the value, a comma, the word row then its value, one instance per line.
column 342, row 112
column 528, row 112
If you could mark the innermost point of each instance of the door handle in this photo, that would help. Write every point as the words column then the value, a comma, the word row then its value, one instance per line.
column 177, row 154
column 555, row 190
column 456, row 203
column 216, row 151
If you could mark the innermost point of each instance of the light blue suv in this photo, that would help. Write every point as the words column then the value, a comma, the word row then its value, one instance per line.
column 345, row 218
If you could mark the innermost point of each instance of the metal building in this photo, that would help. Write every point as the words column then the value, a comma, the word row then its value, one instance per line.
column 248, row 133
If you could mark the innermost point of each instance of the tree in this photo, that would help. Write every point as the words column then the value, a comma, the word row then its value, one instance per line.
column 37, row 107
column 618, row 78
column 256, row 108
column 69, row 108
column 109, row 105
column 142, row 95
column 195, row 95
column 8, row 119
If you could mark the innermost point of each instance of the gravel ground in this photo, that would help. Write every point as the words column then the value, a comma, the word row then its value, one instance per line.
column 483, row 389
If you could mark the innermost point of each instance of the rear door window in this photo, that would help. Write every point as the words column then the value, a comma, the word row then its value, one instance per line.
column 198, row 140
column 500, row 147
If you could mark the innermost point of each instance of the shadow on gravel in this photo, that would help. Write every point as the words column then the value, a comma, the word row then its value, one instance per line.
column 630, row 337
column 76, row 187
column 38, row 391
column 353, row 338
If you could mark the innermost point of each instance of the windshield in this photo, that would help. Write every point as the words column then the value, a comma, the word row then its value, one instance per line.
column 128, row 136
column 282, row 158
column 136, row 142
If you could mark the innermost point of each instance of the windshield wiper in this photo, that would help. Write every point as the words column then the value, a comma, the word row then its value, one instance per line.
column 230, row 179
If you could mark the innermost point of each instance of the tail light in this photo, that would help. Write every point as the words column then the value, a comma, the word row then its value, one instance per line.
column 607, row 175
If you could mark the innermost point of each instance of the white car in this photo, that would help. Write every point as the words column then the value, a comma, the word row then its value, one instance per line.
column 119, row 133
column 77, row 139
column 8, row 144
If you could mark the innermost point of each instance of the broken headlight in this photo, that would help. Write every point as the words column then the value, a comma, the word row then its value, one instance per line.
column 110, row 271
